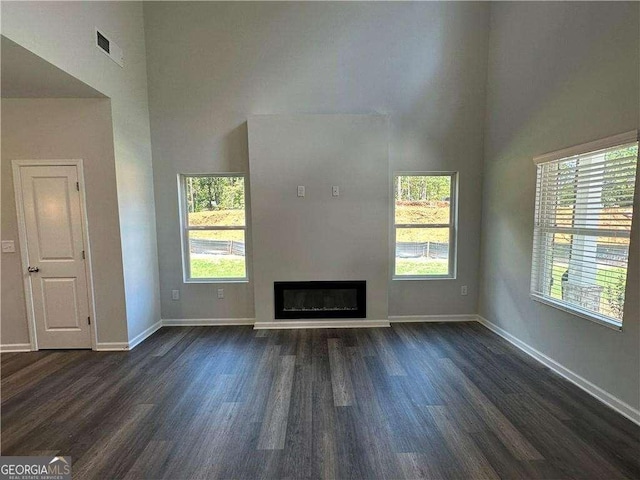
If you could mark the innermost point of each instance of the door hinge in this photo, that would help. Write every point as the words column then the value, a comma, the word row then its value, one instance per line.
column 78, row 186
column 83, row 257
column 89, row 320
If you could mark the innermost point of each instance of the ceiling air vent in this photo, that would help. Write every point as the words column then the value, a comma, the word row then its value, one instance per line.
column 103, row 42
column 109, row 48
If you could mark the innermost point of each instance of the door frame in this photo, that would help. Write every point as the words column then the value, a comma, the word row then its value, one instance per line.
column 24, row 254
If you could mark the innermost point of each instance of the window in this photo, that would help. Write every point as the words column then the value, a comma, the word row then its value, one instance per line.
column 213, row 227
column 425, row 225
column 584, row 209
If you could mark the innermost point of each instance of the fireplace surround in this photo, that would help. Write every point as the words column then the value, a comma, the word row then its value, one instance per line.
column 319, row 236
column 320, row 299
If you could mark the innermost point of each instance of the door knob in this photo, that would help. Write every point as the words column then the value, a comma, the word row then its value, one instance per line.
column 33, row 269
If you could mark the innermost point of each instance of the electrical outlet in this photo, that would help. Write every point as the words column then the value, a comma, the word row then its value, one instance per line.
column 463, row 290
column 175, row 294
column 8, row 246
column 301, row 190
column 221, row 293
column 335, row 191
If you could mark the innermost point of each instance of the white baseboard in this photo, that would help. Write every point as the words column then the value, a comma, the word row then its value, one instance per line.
column 338, row 323
column 15, row 347
column 605, row 397
column 138, row 339
column 432, row 318
column 112, row 346
column 206, row 322
column 284, row 324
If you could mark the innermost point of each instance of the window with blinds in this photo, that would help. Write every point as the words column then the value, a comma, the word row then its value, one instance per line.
column 583, row 215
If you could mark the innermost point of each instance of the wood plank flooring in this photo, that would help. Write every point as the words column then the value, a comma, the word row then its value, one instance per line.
column 412, row 401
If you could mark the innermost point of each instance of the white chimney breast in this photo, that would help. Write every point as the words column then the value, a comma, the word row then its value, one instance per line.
column 319, row 238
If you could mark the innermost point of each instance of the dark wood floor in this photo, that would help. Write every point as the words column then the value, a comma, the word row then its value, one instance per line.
column 412, row 401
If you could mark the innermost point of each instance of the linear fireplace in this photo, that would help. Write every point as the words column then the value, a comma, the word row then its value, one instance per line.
column 339, row 299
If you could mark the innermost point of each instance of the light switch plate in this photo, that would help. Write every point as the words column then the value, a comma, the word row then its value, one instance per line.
column 301, row 190
column 8, row 246
column 335, row 191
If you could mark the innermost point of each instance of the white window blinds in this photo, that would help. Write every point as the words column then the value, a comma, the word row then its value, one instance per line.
column 584, row 210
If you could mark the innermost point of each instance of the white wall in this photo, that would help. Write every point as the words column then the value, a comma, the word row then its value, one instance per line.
column 319, row 236
column 65, row 129
column 63, row 34
column 212, row 65
column 560, row 74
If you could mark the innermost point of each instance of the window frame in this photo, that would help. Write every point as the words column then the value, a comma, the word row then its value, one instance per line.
column 185, row 229
column 579, row 150
column 452, row 226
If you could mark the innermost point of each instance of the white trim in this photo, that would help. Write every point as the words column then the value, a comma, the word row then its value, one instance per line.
column 613, row 141
column 15, row 347
column 338, row 323
column 24, row 254
column 432, row 318
column 138, row 339
column 411, row 278
column 206, row 322
column 112, row 347
column 88, row 264
column 605, row 397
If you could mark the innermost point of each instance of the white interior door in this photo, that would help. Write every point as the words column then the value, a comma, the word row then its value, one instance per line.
column 53, row 231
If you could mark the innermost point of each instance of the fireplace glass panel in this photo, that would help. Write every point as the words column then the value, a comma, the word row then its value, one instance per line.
column 320, row 299
column 301, row 300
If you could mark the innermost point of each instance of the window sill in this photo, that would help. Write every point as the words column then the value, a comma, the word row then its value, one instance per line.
column 217, row 280
column 600, row 320
column 422, row 277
